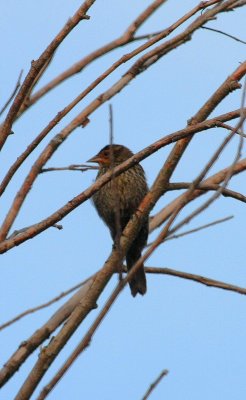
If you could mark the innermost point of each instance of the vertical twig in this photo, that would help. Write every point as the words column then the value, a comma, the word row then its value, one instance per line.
column 115, row 187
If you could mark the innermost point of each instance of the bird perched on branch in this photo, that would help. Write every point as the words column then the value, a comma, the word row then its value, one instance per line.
column 117, row 201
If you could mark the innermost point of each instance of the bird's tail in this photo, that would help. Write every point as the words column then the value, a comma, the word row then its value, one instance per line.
column 138, row 282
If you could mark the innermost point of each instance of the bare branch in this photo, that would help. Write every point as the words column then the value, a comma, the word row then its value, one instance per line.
column 230, row 128
column 216, row 222
column 197, row 278
column 224, row 33
column 155, row 384
column 73, row 167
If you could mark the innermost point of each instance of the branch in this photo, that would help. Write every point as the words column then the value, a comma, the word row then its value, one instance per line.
column 155, row 384
column 173, row 236
column 223, row 33
column 230, row 128
column 197, row 278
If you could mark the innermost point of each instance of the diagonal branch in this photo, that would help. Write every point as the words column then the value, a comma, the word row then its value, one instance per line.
column 38, row 65
column 199, row 228
column 155, row 384
column 224, row 33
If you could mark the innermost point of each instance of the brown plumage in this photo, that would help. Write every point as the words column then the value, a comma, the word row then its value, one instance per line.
column 116, row 201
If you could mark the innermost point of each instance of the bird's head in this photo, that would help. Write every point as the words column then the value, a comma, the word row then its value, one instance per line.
column 111, row 155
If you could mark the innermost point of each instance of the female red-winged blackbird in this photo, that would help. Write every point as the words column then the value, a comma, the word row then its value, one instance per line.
column 116, row 201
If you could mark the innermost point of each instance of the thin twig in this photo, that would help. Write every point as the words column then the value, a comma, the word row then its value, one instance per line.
column 199, row 228
column 197, row 278
column 22, row 230
column 17, row 85
column 155, row 384
column 44, row 305
column 223, row 33
column 73, row 167
column 230, row 128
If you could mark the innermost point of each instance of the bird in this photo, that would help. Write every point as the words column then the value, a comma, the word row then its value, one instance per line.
column 117, row 201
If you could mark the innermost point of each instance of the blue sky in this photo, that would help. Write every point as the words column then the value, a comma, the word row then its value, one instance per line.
column 197, row 333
